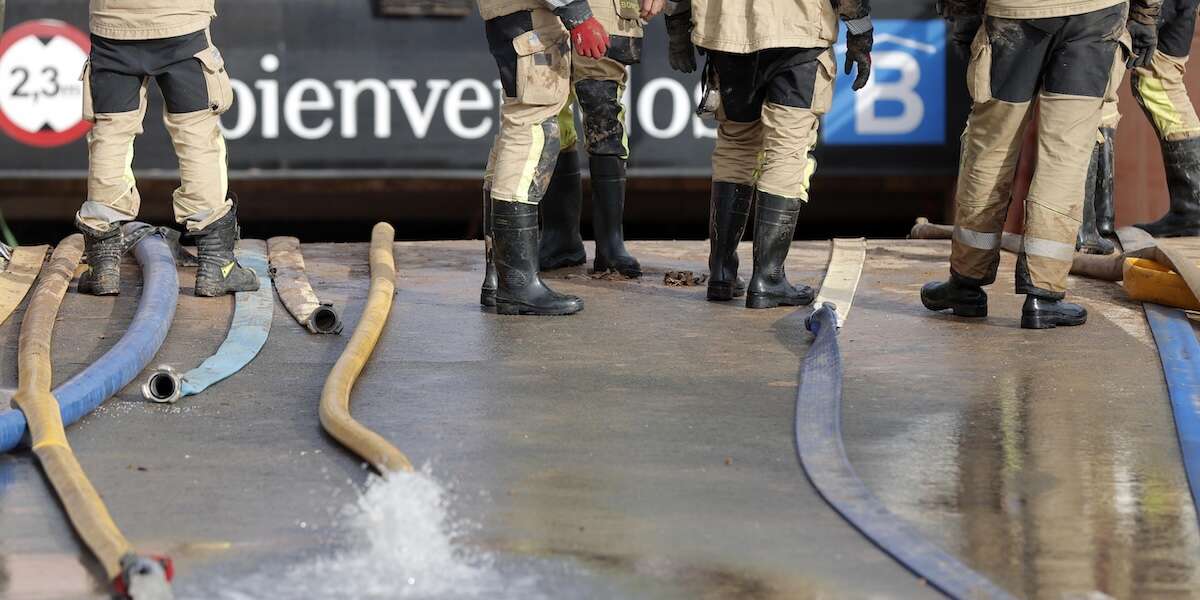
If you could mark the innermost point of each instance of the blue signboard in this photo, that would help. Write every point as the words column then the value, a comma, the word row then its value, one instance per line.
column 905, row 102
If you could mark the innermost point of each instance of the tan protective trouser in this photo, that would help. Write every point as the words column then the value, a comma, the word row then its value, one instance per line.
column 1161, row 91
column 203, row 194
column 774, row 152
column 991, row 148
column 524, row 153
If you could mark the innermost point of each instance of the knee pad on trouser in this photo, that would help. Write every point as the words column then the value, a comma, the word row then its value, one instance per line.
column 203, row 194
column 603, row 117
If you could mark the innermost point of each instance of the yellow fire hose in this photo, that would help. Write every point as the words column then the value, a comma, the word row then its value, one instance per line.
column 335, row 398
column 49, row 441
column 16, row 279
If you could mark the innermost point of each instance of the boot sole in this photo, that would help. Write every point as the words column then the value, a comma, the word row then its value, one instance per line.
column 721, row 292
column 213, row 293
column 487, row 299
column 508, row 308
column 764, row 301
column 958, row 310
column 1049, row 321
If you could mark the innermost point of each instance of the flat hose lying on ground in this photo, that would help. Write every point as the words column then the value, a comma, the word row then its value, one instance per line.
column 335, row 397
column 138, row 577
column 85, row 391
column 18, row 275
column 248, row 333
column 1102, row 267
column 296, row 292
column 1179, row 353
column 822, row 453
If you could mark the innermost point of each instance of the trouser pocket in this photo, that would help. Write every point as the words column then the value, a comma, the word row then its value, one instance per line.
column 979, row 71
column 543, row 67
column 823, row 86
column 220, row 90
column 89, row 110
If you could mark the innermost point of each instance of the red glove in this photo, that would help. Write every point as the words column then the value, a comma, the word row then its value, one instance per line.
column 590, row 39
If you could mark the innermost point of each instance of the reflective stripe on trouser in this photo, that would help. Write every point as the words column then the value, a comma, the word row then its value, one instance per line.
column 1161, row 91
column 598, row 87
column 112, row 189
column 203, row 194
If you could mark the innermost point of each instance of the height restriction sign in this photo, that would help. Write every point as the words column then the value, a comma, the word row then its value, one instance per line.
column 41, row 95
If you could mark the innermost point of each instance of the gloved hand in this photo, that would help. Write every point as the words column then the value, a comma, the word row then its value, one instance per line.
column 1145, row 42
column 590, row 39
column 681, row 53
column 858, row 52
column 963, row 30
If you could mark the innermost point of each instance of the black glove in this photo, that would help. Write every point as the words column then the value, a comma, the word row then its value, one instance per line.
column 963, row 30
column 1145, row 41
column 858, row 52
column 680, row 51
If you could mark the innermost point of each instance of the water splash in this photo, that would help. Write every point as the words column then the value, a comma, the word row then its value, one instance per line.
column 402, row 540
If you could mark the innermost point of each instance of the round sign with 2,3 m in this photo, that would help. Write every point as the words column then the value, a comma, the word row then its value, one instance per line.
column 41, row 92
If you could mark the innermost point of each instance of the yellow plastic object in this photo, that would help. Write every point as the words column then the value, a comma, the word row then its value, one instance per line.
column 1149, row 281
column 83, row 505
column 335, row 398
column 18, row 277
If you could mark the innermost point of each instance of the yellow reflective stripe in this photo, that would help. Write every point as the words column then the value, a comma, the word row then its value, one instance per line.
column 621, row 120
column 1157, row 101
column 531, row 163
column 566, row 125
column 222, row 164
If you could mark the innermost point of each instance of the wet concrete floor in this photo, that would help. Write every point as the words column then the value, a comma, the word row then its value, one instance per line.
column 646, row 441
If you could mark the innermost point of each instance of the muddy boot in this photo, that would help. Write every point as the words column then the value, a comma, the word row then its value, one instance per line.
column 219, row 272
column 487, row 292
column 1048, row 313
column 774, row 226
column 561, row 244
column 103, row 250
column 1105, row 188
column 726, row 226
column 1182, row 162
column 521, row 290
column 1088, row 239
column 608, row 215
column 963, row 299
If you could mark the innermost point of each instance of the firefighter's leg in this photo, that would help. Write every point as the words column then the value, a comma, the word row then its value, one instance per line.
column 115, row 102
column 1003, row 90
column 532, row 52
column 1161, row 92
column 487, row 291
column 1099, row 202
column 561, row 244
column 1071, row 102
column 800, row 91
column 735, row 165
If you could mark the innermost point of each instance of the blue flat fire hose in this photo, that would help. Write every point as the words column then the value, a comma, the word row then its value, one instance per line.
column 248, row 332
column 823, row 456
column 85, row 391
column 1180, row 355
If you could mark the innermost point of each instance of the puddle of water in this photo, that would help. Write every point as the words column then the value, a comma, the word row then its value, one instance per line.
column 399, row 539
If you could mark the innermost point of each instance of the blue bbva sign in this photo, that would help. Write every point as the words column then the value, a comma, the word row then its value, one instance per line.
column 905, row 102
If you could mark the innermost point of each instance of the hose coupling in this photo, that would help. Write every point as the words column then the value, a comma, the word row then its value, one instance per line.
column 144, row 578
column 165, row 385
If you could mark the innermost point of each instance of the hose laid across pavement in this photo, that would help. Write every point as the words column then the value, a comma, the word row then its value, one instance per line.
column 85, row 391
column 822, row 452
column 18, row 276
column 335, row 397
column 296, row 292
column 1179, row 352
column 247, row 335
column 138, row 577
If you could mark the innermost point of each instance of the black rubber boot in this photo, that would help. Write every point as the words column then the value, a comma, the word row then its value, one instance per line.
column 219, row 272
column 774, row 226
column 103, row 250
column 561, row 245
column 487, row 292
column 1105, row 185
column 608, row 215
column 1048, row 313
column 521, row 290
column 1182, row 162
column 962, row 298
column 726, row 226
column 1088, row 239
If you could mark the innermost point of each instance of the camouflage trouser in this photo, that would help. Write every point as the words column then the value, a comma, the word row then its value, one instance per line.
column 1079, row 55
column 532, row 51
column 196, row 89
column 771, row 107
